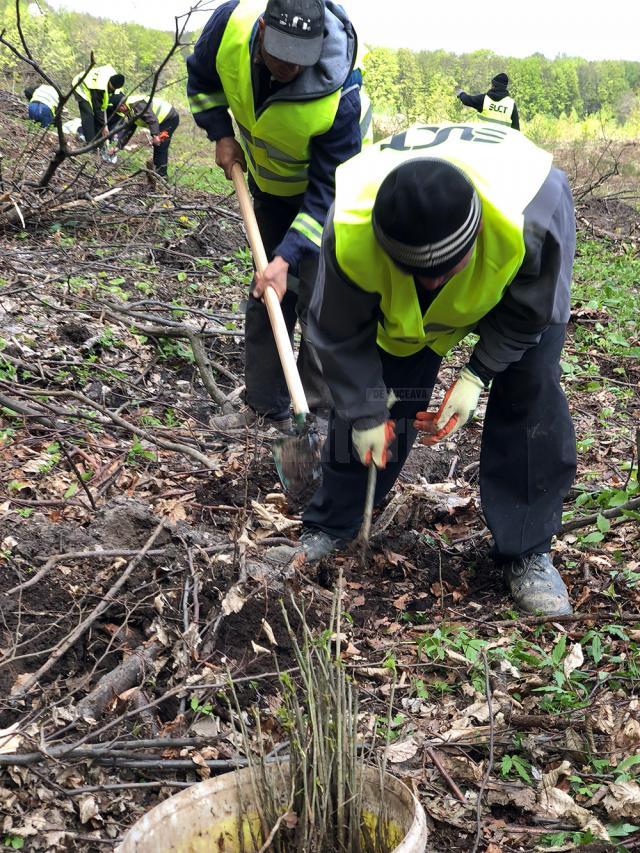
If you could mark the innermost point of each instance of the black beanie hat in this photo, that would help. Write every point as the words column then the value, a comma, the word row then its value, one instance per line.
column 117, row 81
column 426, row 216
column 500, row 80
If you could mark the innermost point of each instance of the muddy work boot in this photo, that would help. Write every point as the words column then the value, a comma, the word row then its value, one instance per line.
column 313, row 544
column 536, row 586
column 248, row 418
column 318, row 544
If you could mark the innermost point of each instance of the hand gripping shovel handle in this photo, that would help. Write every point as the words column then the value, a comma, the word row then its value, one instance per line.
column 280, row 333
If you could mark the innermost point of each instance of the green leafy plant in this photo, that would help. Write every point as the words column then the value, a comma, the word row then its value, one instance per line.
column 170, row 348
column 198, row 708
column 389, row 729
column 108, row 338
column 627, row 764
column 560, row 839
column 419, row 688
column 514, row 764
column 138, row 452
column 435, row 644
column 53, row 457
column 561, row 692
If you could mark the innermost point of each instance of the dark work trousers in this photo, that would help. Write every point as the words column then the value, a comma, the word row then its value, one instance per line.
column 267, row 392
column 161, row 152
column 92, row 119
column 527, row 461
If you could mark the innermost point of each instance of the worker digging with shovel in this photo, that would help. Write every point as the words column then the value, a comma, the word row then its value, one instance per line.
column 287, row 72
column 437, row 232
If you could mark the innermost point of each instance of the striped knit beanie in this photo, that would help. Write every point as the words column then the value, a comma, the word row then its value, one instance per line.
column 426, row 216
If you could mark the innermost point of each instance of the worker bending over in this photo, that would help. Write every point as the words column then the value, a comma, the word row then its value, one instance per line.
column 43, row 103
column 157, row 115
column 93, row 90
column 437, row 232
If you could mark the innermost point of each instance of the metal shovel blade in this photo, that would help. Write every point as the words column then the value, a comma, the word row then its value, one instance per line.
column 297, row 459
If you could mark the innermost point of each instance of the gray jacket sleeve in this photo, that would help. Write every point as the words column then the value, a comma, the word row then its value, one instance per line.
column 539, row 295
column 147, row 116
column 343, row 323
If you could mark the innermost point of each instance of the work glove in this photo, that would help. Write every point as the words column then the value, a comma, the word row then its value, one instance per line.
column 459, row 91
column 372, row 445
column 458, row 405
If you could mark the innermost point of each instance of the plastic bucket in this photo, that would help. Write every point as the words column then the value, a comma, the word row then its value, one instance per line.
column 207, row 817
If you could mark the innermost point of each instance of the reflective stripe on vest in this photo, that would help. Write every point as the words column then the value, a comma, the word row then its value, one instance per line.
column 159, row 107
column 96, row 79
column 277, row 140
column 506, row 169
column 201, row 102
column 310, row 227
column 499, row 112
column 46, row 95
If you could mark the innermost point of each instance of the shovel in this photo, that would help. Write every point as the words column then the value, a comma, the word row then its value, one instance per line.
column 297, row 457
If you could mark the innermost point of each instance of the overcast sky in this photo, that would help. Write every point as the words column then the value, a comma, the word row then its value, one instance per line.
column 573, row 27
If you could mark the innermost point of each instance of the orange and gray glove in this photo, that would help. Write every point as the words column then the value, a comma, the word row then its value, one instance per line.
column 458, row 405
column 372, row 445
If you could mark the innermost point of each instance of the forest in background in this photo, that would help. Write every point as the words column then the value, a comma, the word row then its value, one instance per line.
column 62, row 42
column 421, row 86
column 566, row 97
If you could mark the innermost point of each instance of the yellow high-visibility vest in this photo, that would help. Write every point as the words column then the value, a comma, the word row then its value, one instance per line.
column 499, row 112
column 159, row 107
column 507, row 171
column 97, row 79
column 46, row 95
column 277, row 138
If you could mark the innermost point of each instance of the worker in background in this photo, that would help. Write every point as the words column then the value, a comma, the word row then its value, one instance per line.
column 288, row 76
column 92, row 91
column 437, row 232
column 496, row 105
column 43, row 103
column 157, row 115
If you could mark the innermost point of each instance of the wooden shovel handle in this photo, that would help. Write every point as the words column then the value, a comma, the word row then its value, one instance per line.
column 280, row 333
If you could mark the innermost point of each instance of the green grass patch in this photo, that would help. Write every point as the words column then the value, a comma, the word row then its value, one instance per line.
column 606, row 284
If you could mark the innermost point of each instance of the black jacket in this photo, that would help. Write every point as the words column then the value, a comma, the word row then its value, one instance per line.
column 496, row 93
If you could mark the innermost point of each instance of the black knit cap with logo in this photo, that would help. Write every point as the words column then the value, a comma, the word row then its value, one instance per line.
column 294, row 30
column 426, row 216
